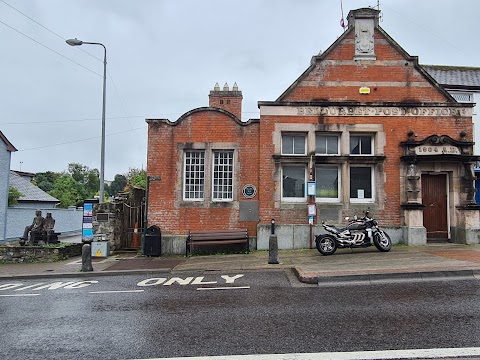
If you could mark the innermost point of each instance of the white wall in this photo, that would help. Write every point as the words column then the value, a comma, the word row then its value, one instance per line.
column 4, row 179
column 66, row 220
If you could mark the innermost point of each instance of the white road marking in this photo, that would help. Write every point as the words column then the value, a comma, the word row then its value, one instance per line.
column 225, row 288
column 359, row 355
column 18, row 295
column 116, row 291
column 187, row 281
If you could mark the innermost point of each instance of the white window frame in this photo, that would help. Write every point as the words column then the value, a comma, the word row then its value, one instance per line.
column 372, row 144
column 327, row 135
column 339, row 184
column 184, row 192
column 232, row 172
column 372, row 179
column 295, row 199
column 295, row 135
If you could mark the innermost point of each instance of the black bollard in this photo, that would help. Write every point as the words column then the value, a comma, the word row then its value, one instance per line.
column 273, row 246
column 87, row 258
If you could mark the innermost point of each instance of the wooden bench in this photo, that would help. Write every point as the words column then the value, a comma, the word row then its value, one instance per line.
column 216, row 237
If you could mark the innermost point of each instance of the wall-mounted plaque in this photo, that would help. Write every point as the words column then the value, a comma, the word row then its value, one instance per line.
column 437, row 150
column 249, row 191
column 102, row 216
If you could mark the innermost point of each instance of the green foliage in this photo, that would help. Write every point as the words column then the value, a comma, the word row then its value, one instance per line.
column 68, row 191
column 136, row 178
column 118, row 184
column 88, row 178
column 80, row 182
column 45, row 180
column 13, row 196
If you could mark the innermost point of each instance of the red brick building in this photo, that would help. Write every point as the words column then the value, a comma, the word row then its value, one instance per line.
column 365, row 124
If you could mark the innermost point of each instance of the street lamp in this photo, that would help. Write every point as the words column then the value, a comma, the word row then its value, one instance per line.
column 76, row 42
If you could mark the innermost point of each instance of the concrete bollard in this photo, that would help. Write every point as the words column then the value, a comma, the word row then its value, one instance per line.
column 273, row 249
column 87, row 258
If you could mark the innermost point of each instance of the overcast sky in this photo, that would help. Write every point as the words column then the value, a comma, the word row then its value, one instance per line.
column 164, row 57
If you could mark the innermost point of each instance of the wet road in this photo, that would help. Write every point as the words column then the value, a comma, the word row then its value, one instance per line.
column 194, row 314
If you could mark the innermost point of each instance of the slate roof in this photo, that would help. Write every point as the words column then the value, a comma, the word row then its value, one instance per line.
column 30, row 191
column 457, row 76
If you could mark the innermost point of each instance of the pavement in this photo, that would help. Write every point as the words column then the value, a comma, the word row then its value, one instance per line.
column 436, row 261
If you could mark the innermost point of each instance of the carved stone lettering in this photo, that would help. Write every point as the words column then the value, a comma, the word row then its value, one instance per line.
column 382, row 111
column 437, row 150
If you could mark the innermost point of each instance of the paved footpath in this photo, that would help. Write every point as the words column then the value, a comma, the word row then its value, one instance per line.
column 346, row 265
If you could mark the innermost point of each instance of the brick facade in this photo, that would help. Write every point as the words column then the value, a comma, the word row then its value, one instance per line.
column 365, row 88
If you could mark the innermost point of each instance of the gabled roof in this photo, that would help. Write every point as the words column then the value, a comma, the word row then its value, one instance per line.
column 318, row 58
column 455, row 76
column 29, row 191
column 10, row 147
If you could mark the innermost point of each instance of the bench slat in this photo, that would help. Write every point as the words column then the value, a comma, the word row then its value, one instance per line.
column 231, row 231
column 213, row 242
column 217, row 237
column 212, row 237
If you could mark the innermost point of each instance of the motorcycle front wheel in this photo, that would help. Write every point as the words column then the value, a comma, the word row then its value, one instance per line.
column 382, row 241
column 326, row 244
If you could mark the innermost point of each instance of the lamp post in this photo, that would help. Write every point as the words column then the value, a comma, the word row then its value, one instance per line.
column 76, row 42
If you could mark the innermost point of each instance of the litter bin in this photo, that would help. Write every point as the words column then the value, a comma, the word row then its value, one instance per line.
column 152, row 245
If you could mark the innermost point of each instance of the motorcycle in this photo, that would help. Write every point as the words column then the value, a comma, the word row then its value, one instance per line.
column 360, row 232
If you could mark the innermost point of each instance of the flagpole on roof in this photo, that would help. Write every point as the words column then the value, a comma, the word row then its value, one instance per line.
column 342, row 21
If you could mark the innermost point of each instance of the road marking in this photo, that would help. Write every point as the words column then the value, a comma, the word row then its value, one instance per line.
column 116, row 291
column 18, row 295
column 358, row 355
column 187, row 281
column 225, row 288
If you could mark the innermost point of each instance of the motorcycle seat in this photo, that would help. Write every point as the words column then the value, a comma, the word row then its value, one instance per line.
column 337, row 228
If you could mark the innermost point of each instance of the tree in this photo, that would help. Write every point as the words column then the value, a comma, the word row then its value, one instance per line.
column 68, row 191
column 13, row 196
column 136, row 178
column 88, row 178
column 45, row 180
column 118, row 184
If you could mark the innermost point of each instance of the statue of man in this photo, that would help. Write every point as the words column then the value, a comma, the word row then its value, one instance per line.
column 48, row 225
column 36, row 227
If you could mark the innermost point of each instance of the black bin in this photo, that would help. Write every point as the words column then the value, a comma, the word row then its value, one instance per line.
column 153, row 241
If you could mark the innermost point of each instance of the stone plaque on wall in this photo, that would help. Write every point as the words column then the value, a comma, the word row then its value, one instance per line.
column 328, row 215
column 248, row 210
column 364, row 41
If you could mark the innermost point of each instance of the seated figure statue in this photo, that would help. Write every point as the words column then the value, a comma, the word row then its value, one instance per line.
column 35, row 228
column 48, row 226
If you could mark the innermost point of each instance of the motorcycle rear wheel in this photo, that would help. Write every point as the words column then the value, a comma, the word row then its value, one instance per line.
column 326, row 244
column 382, row 241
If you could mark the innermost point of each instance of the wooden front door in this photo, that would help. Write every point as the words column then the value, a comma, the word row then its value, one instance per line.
column 434, row 197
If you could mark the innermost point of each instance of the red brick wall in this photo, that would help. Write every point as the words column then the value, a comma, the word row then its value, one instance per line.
column 391, row 78
column 227, row 100
column 334, row 78
column 166, row 207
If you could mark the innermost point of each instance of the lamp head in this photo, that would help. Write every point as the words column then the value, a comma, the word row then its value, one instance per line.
column 74, row 42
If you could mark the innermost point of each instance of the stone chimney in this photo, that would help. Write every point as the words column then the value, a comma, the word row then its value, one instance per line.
column 364, row 21
column 226, row 99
